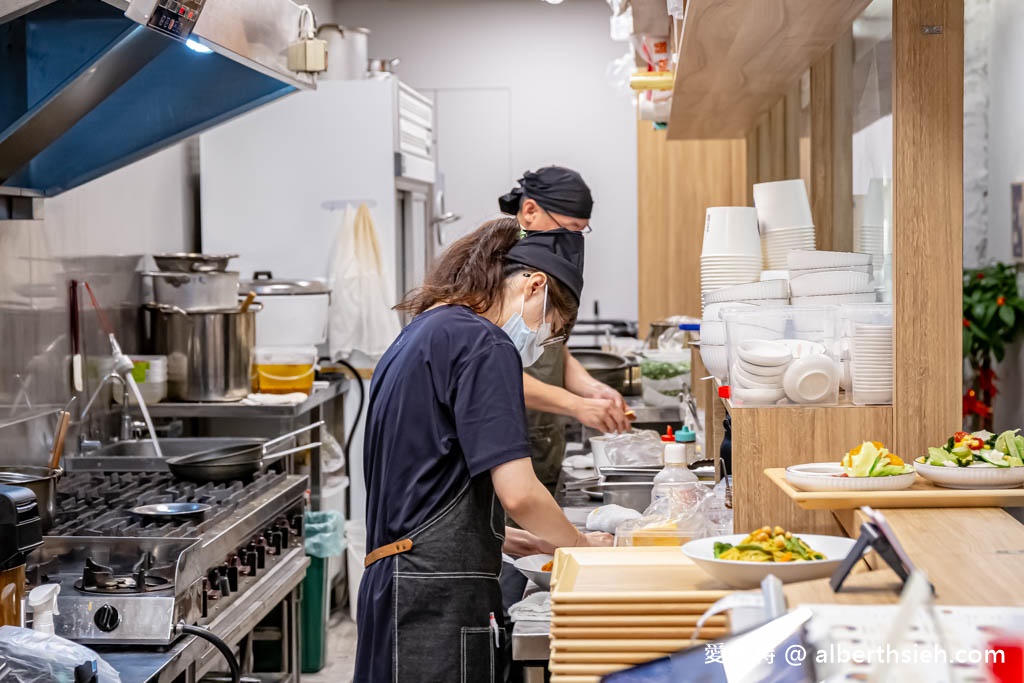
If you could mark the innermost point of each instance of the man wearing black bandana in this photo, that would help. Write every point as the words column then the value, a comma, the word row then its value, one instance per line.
column 557, row 384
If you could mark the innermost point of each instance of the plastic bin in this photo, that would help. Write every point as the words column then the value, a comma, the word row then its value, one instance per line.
column 323, row 539
column 284, row 369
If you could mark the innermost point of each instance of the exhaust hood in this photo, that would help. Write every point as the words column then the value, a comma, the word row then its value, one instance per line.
column 89, row 86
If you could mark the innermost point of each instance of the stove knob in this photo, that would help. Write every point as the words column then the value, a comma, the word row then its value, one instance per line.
column 205, row 598
column 296, row 524
column 277, row 542
column 260, row 546
column 107, row 618
column 232, row 572
column 223, row 586
column 282, row 526
column 248, row 556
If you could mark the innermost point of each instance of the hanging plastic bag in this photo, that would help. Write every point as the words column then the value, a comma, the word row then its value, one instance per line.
column 362, row 295
column 34, row 657
column 324, row 533
column 634, row 449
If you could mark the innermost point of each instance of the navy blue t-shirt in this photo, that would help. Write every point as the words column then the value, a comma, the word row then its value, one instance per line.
column 446, row 404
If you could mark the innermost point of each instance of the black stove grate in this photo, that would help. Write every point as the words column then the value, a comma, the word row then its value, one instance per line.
column 100, row 503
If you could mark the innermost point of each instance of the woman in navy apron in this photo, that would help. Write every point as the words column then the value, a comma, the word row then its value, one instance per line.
column 447, row 454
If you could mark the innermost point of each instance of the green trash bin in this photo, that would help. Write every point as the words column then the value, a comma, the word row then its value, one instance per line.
column 323, row 540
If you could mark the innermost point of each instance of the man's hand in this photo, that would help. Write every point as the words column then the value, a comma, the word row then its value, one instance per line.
column 600, row 414
column 602, row 390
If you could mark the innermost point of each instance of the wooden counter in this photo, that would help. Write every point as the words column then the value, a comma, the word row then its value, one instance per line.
column 973, row 556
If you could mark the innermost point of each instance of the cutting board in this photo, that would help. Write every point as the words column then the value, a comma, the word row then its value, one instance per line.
column 631, row 570
column 922, row 494
column 628, row 620
column 637, row 632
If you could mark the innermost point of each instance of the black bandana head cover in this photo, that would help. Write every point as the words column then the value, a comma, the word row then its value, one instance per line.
column 555, row 188
column 559, row 253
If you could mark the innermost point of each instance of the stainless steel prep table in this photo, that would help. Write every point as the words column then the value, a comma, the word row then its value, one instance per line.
column 238, row 419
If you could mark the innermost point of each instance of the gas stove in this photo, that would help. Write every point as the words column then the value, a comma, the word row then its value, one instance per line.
column 126, row 580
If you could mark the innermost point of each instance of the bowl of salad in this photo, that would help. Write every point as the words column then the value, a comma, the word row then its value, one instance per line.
column 867, row 467
column 979, row 460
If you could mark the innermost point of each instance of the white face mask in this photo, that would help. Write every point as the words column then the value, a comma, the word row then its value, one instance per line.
column 528, row 342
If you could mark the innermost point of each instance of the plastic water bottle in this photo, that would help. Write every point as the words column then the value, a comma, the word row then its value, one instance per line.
column 676, row 474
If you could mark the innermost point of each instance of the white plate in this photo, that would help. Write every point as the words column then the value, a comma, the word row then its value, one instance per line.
column 751, row 574
column 868, row 269
column 827, row 477
column 826, row 259
column 879, row 397
column 761, row 397
column 973, row 477
column 764, row 353
column 833, row 282
column 811, row 379
column 530, row 567
column 803, row 347
column 772, row 289
column 835, row 299
column 772, row 374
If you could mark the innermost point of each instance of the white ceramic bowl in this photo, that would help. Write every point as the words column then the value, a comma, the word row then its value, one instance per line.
column 530, row 567
column 761, row 373
column 871, row 397
column 771, row 289
column 829, row 477
column 826, row 259
column 712, row 332
column 833, row 282
column 764, row 353
column 747, row 380
column 811, row 379
column 598, row 446
column 730, row 230
column 782, row 204
column 716, row 359
column 751, row 574
column 714, row 311
column 760, row 397
column 972, row 477
column 835, row 299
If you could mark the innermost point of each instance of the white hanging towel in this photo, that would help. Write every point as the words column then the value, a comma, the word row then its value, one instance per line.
column 361, row 318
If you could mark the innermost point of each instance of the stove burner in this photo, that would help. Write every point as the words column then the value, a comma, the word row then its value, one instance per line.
column 45, row 572
column 145, row 578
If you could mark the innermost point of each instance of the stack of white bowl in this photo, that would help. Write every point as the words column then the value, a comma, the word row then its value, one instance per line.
column 751, row 295
column 871, row 366
column 784, row 216
column 765, row 372
column 825, row 278
column 731, row 253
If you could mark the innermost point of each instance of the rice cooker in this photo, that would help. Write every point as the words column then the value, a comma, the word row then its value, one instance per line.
column 295, row 312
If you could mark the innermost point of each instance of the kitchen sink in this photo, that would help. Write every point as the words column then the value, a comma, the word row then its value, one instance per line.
column 140, row 456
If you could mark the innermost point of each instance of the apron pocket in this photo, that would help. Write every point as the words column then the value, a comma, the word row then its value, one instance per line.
column 477, row 654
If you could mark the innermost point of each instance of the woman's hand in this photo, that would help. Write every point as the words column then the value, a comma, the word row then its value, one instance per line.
column 519, row 543
column 602, row 414
column 602, row 390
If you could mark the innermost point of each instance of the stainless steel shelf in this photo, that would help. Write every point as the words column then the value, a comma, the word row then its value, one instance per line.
column 240, row 410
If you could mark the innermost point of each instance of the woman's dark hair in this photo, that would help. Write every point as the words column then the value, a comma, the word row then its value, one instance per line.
column 473, row 270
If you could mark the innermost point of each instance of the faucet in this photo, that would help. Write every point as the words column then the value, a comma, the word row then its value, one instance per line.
column 122, row 366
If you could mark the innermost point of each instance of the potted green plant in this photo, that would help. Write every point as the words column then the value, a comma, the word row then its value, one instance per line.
column 993, row 319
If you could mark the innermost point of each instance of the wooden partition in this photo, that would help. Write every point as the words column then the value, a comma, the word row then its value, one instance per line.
column 927, row 107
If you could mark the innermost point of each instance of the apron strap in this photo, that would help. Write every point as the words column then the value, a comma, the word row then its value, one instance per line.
column 396, row 548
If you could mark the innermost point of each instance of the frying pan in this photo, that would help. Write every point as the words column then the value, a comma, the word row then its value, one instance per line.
column 171, row 511
column 234, row 462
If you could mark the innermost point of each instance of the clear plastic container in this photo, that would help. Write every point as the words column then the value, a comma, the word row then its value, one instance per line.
column 866, row 344
column 283, row 369
column 664, row 376
column 783, row 356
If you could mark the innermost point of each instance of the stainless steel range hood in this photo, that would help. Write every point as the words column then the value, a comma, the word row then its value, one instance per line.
column 89, row 86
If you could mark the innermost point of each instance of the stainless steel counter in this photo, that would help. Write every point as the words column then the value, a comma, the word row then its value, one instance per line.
column 195, row 657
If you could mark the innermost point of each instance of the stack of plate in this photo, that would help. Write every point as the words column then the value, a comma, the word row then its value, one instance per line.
column 613, row 608
column 784, row 216
column 871, row 363
column 830, row 278
column 731, row 253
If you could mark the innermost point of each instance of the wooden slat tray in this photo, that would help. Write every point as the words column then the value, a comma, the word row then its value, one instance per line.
column 639, row 632
column 634, row 570
column 637, row 620
column 921, row 495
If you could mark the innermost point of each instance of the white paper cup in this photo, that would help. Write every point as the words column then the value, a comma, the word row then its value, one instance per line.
column 782, row 204
column 877, row 203
column 731, row 230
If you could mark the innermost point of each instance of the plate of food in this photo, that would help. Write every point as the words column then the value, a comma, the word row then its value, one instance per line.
column 867, row 467
column 979, row 460
column 536, row 568
column 743, row 561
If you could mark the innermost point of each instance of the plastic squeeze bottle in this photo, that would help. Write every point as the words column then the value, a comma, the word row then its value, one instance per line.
column 676, row 471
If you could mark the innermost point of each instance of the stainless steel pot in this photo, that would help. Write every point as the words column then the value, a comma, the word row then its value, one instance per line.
column 200, row 291
column 193, row 263
column 42, row 481
column 209, row 353
column 616, row 371
column 347, row 52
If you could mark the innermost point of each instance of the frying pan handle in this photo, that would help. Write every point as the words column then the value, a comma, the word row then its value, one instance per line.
column 273, row 457
column 284, row 437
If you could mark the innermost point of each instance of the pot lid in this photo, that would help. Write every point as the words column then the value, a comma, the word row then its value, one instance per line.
column 264, row 284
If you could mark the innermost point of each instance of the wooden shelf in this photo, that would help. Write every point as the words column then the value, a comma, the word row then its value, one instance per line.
column 737, row 59
column 922, row 494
